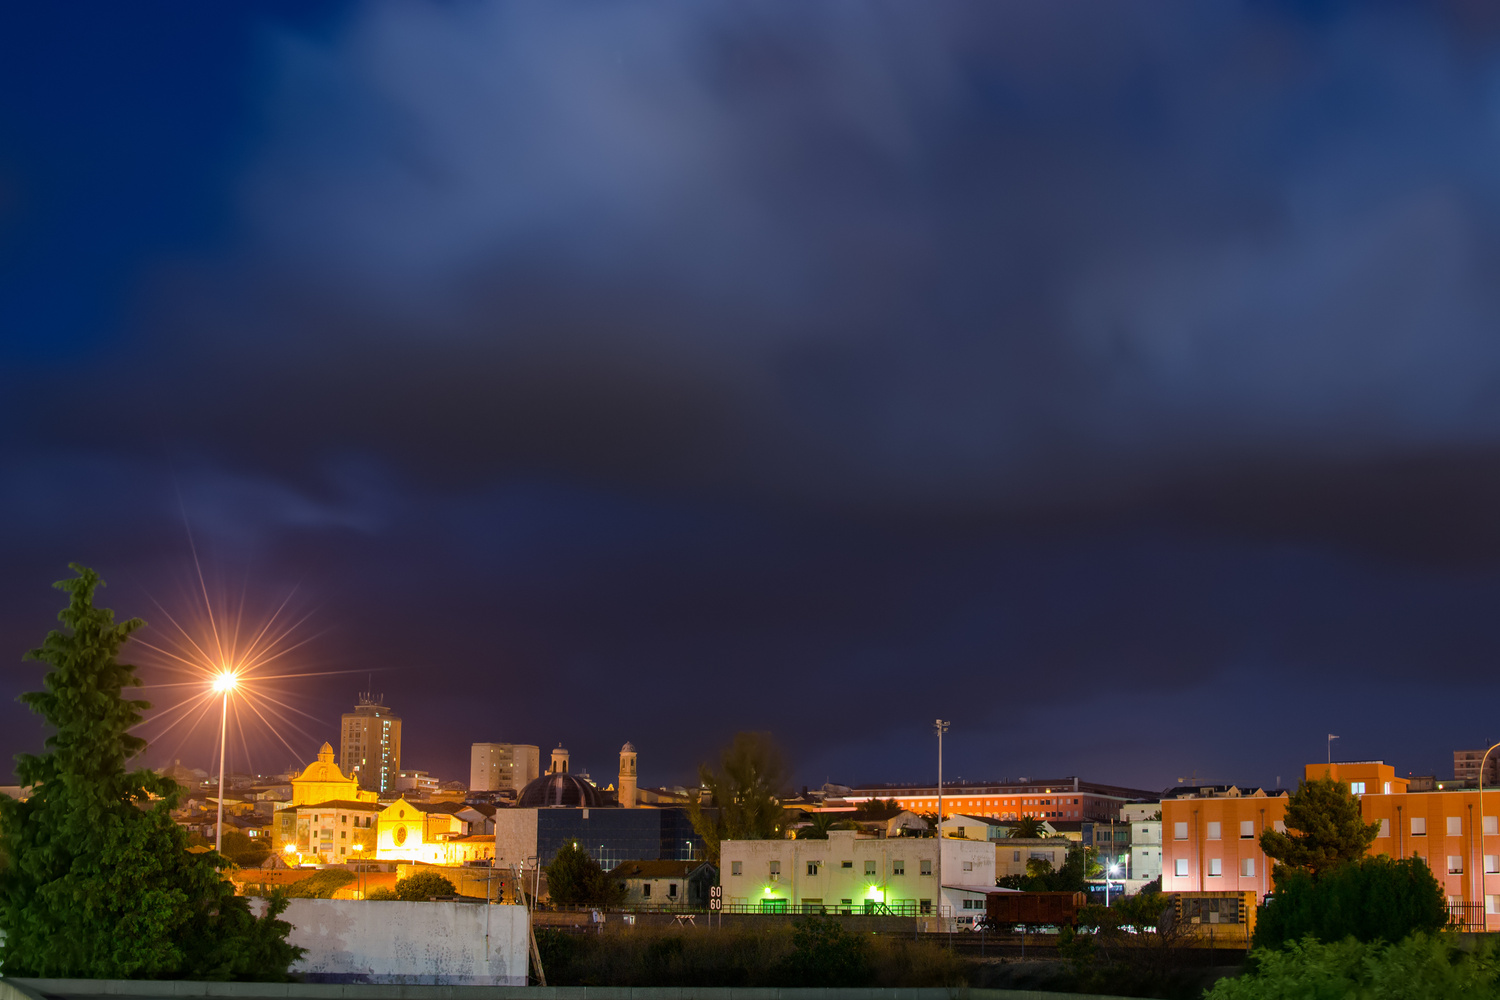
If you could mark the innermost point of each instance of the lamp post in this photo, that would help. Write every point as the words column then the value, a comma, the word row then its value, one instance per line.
column 1482, row 886
column 941, row 727
column 289, row 850
column 224, row 684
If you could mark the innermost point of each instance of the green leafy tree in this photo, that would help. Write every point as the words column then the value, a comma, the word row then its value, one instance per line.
column 1324, row 829
column 422, row 886
column 575, row 879
column 877, row 809
column 101, row 884
column 245, row 851
column 382, row 892
column 1372, row 899
column 1028, row 827
column 744, row 794
column 1078, row 866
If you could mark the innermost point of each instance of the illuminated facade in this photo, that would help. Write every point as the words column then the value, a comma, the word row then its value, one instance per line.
column 851, row 873
column 335, row 832
column 1064, row 799
column 370, row 745
column 496, row 767
column 1211, row 843
column 426, row 833
column 321, row 781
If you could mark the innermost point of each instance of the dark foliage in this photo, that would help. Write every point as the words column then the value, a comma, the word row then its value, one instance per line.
column 100, row 883
column 744, row 793
column 1372, row 899
column 423, row 886
column 825, row 953
column 321, row 885
column 575, row 879
column 1325, row 829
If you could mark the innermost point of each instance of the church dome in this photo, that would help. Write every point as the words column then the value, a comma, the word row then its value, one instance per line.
column 559, row 788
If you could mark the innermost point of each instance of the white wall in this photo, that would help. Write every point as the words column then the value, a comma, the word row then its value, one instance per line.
column 450, row 944
column 515, row 836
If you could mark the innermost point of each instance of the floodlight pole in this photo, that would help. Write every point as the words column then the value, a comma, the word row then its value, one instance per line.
column 1482, row 761
column 223, row 732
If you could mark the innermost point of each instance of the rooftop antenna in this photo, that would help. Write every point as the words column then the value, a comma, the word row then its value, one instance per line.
column 1331, row 738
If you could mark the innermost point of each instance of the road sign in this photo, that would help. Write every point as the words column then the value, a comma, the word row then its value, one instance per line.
column 716, row 897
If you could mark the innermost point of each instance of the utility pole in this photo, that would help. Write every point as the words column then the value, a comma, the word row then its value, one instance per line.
column 941, row 727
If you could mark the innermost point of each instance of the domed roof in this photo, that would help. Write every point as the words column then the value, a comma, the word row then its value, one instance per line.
column 559, row 788
column 629, row 747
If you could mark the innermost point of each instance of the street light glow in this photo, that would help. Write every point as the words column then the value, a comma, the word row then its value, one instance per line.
column 225, row 682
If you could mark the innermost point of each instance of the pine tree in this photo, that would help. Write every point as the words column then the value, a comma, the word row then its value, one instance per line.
column 1325, row 829
column 745, row 794
column 99, row 882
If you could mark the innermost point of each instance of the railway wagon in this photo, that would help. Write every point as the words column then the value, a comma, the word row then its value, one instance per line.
column 1035, row 908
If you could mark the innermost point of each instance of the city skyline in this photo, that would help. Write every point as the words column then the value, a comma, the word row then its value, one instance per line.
column 1116, row 382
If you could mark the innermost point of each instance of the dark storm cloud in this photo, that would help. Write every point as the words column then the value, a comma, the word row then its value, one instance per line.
column 1100, row 357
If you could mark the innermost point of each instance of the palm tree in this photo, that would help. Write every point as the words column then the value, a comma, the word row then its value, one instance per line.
column 821, row 823
column 1029, row 827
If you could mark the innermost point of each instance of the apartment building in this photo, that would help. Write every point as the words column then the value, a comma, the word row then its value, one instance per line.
column 1064, row 799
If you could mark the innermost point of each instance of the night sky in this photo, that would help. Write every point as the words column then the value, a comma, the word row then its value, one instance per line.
column 1118, row 381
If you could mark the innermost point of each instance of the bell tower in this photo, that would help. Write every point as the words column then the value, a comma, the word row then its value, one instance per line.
column 559, row 761
column 627, row 776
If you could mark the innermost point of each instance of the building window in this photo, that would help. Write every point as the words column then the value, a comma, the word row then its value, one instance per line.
column 846, row 864
column 1017, row 856
column 1455, row 864
column 1455, row 826
column 1419, row 826
column 1385, row 828
column 1247, row 867
column 1279, row 826
column 1247, row 829
column 775, row 868
column 1490, row 826
column 1387, row 788
column 968, row 866
column 925, row 906
column 671, row 890
column 898, row 867
column 1179, row 831
column 1491, row 905
column 812, row 867
column 926, row 866
column 1215, row 866
column 1356, row 788
column 869, row 868
column 736, row 867
column 1491, row 864
column 1180, row 868
column 645, row 890
column 1213, row 831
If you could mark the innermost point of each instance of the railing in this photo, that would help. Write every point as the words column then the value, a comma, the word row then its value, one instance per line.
column 1466, row 916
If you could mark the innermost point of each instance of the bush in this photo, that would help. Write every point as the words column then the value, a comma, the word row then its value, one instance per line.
column 1420, row 967
column 423, row 886
column 824, row 953
column 575, row 879
column 1373, row 899
column 321, row 885
column 383, row 892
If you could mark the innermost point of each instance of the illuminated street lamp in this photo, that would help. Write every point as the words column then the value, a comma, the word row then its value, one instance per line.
column 224, row 684
column 1482, row 761
column 291, row 849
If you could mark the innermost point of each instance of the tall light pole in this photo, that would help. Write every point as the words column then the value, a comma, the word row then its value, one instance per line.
column 1331, row 738
column 224, row 684
column 941, row 727
column 1482, row 761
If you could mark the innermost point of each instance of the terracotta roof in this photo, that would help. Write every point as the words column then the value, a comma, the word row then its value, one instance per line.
column 270, row 876
column 342, row 804
column 655, row 869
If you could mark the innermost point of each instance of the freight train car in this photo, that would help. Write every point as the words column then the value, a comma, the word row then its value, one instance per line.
column 1034, row 908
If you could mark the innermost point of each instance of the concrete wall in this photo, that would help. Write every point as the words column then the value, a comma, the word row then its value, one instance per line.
column 454, row 944
column 515, row 836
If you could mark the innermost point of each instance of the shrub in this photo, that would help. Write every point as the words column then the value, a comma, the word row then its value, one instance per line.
column 422, row 886
column 1373, row 899
column 1420, row 967
column 383, row 892
column 824, row 953
column 321, row 885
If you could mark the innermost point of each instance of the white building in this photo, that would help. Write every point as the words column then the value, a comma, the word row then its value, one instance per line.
column 497, row 766
column 961, row 827
column 852, row 873
column 1145, row 849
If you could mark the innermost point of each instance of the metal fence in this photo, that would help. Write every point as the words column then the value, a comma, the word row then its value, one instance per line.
column 1466, row 916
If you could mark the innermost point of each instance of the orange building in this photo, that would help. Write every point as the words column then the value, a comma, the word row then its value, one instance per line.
column 1212, row 843
column 1068, row 799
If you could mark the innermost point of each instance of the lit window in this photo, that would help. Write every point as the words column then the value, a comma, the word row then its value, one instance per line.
column 1356, row 788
